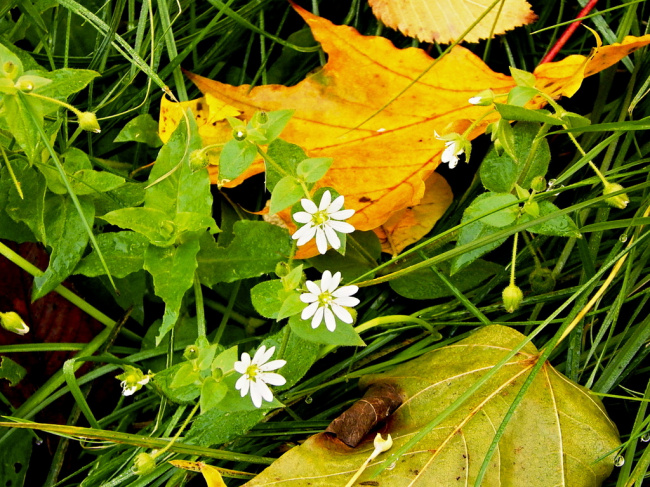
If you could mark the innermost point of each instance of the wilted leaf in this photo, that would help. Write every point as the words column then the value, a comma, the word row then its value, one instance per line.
column 411, row 224
column 443, row 21
column 559, row 434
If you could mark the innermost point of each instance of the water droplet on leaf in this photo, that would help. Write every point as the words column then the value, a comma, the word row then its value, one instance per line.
column 619, row 461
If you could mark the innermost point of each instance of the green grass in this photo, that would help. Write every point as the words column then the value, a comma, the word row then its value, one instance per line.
column 139, row 49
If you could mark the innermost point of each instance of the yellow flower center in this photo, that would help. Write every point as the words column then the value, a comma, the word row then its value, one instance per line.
column 320, row 217
column 252, row 371
column 325, row 298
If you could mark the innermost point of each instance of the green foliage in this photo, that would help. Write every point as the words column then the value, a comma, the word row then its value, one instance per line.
column 11, row 371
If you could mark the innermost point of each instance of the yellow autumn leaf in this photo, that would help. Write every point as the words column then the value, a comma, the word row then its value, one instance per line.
column 443, row 21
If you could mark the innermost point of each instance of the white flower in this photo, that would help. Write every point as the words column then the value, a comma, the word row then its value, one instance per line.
column 484, row 98
column 454, row 146
column 323, row 221
column 133, row 379
column 11, row 321
column 475, row 100
column 325, row 301
column 255, row 375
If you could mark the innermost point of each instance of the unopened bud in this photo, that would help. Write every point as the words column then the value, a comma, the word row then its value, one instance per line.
column 512, row 298
column 11, row 321
column 10, row 70
column 143, row 464
column 262, row 117
column 240, row 133
column 191, row 352
column 198, row 160
column 541, row 280
column 538, row 184
column 25, row 85
column 484, row 98
column 88, row 122
column 619, row 201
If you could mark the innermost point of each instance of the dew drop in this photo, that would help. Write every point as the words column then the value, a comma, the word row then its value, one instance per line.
column 39, row 442
column 551, row 183
column 619, row 461
column 381, row 130
column 623, row 238
column 645, row 438
column 391, row 466
column 308, row 400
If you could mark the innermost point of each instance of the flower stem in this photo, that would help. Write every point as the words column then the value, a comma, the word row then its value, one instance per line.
column 11, row 173
column 200, row 310
column 285, row 341
column 514, row 259
column 269, row 160
column 76, row 111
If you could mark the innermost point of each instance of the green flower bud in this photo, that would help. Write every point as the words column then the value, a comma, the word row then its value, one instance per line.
column 240, row 133
column 191, row 352
column 10, row 70
column 11, row 321
column 541, row 280
column 25, row 85
column 282, row 269
column 619, row 201
column 143, row 464
column 484, row 98
column 538, row 184
column 512, row 298
column 167, row 228
column 88, row 122
column 261, row 117
column 217, row 374
column 198, row 160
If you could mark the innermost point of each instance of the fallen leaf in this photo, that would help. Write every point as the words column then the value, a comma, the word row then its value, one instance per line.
column 409, row 225
column 443, row 21
column 380, row 167
column 210, row 114
column 559, row 434
column 563, row 78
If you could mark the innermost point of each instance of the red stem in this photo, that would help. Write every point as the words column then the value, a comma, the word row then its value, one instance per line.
column 557, row 47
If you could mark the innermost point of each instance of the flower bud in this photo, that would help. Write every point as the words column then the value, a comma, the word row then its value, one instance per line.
column 484, row 98
column 541, row 280
column 25, row 85
column 619, row 201
column 198, row 160
column 143, row 464
column 10, row 70
column 240, row 133
column 88, row 122
column 191, row 352
column 538, row 184
column 261, row 117
column 512, row 298
column 11, row 321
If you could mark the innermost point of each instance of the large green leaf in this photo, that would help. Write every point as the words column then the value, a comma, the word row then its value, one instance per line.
column 559, row 434
column 68, row 238
column 499, row 172
column 31, row 209
column 255, row 250
column 172, row 269
column 123, row 252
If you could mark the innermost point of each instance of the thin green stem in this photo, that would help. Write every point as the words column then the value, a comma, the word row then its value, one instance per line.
column 11, row 173
column 269, row 160
column 514, row 259
column 200, row 310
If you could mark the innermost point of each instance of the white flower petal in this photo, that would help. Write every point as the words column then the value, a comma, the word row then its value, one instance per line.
column 314, row 288
column 308, row 298
column 342, row 215
column 129, row 391
column 336, row 205
column 309, row 311
column 343, row 314
column 325, row 280
column 264, row 391
column 273, row 379
column 272, row 365
column 453, row 162
column 144, row 381
column 258, row 358
column 304, row 234
column 318, row 317
column 302, row 217
column 448, row 154
column 330, row 322
column 333, row 283
column 241, row 365
column 265, row 356
column 475, row 100
column 256, row 395
column 345, row 291
column 346, row 301
column 321, row 241
column 325, row 200
column 341, row 227
column 332, row 237
column 309, row 206
column 242, row 384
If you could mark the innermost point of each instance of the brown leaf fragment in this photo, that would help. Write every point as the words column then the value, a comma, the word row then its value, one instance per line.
column 379, row 402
